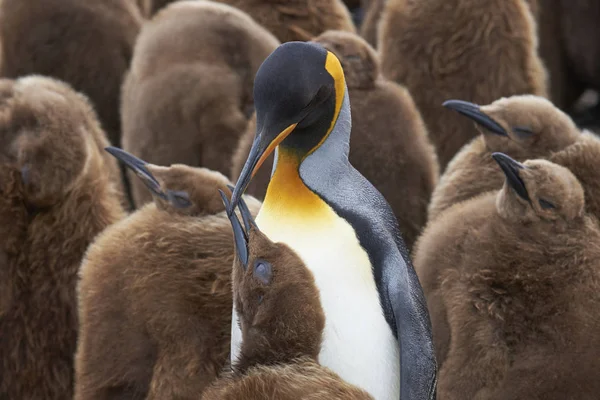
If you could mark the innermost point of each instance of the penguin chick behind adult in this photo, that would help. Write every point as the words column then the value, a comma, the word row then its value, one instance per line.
column 188, row 96
column 516, row 272
column 581, row 158
column 291, row 20
column 373, row 9
column 465, row 49
column 155, row 291
column 282, row 323
column 523, row 127
column 57, row 195
column 389, row 145
column 86, row 44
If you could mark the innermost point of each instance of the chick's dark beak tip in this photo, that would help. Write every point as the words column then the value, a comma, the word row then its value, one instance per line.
column 473, row 112
column 511, row 168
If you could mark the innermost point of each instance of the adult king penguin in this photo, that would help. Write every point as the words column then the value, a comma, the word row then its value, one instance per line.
column 377, row 329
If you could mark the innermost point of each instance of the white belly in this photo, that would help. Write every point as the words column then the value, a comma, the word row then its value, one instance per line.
column 358, row 343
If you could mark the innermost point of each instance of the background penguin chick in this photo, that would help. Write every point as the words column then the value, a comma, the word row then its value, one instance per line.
column 370, row 26
column 291, row 20
column 282, row 323
column 155, row 291
column 87, row 44
column 512, row 277
column 565, row 88
column 188, row 96
column 524, row 127
column 79, row 108
column 389, row 143
column 581, row 158
column 464, row 49
column 58, row 191
column 579, row 32
column 302, row 20
column 13, row 230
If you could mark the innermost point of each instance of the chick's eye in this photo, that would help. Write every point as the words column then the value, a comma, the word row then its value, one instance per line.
column 179, row 199
column 522, row 131
column 546, row 205
column 263, row 271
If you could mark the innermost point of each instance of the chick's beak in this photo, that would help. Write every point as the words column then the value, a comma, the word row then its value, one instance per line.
column 473, row 111
column 261, row 148
column 511, row 170
column 139, row 167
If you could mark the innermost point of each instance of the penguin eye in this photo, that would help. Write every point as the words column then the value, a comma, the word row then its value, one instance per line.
column 263, row 271
column 179, row 199
column 522, row 131
column 546, row 205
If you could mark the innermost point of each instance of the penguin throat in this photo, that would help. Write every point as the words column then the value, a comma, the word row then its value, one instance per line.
column 287, row 195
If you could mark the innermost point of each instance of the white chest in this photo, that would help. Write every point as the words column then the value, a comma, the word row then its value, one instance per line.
column 358, row 344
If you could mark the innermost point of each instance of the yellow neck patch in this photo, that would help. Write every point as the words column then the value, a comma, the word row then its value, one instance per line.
column 287, row 194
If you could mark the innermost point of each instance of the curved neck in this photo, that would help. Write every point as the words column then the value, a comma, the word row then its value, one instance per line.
column 290, row 190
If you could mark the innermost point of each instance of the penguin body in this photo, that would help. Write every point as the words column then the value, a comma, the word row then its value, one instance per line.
column 86, row 44
column 155, row 291
column 282, row 321
column 463, row 49
column 57, row 195
column 291, row 19
column 340, row 226
column 190, row 82
column 511, row 279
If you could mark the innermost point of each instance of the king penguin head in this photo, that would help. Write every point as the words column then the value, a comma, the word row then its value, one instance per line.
column 298, row 94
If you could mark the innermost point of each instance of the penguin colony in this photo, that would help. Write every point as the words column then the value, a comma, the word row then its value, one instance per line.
column 242, row 199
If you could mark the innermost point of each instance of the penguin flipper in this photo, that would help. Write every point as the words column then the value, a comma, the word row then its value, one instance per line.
column 418, row 365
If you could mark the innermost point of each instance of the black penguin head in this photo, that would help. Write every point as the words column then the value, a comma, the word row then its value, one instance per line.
column 298, row 93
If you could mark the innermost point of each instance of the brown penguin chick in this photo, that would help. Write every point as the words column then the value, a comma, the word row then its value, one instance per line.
column 302, row 20
column 81, row 105
column 581, row 158
column 88, row 44
column 513, row 279
column 389, row 145
column 57, row 195
column 369, row 28
column 290, row 20
column 281, row 320
column 579, row 32
column 524, row 127
column 155, row 291
column 188, row 96
column 464, row 49
column 564, row 86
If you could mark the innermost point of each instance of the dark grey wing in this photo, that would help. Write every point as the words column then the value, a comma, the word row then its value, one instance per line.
column 400, row 287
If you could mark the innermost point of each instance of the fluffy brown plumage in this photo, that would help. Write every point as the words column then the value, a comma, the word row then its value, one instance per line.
column 155, row 293
column 292, row 19
column 389, row 144
column 473, row 171
column 87, row 44
column 564, row 86
column 513, row 286
column 282, row 323
column 461, row 49
column 188, row 96
column 581, row 158
column 369, row 29
column 57, row 195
